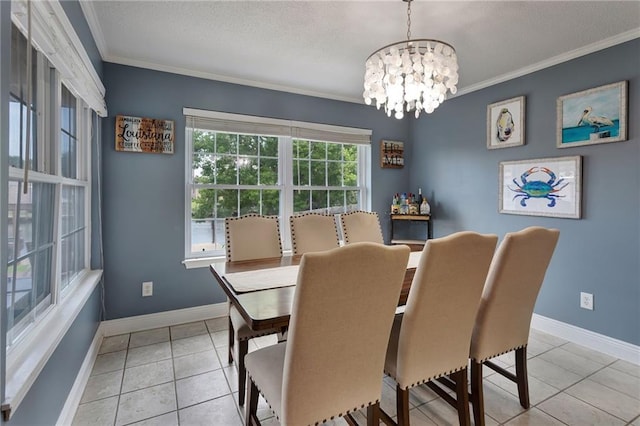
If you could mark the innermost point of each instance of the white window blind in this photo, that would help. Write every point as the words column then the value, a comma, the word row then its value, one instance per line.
column 221, row 121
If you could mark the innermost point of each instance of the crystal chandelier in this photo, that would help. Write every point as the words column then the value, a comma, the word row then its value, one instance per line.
column 416, row 73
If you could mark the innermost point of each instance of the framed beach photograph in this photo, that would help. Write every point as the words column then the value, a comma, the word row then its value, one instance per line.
column 505, row 123
column 541, row 187
column 592, row 116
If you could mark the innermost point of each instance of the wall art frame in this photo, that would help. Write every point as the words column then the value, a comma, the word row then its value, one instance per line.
column 541, row 187
column 506, row 123
column 144, row 135
column 593, row 116
column 391, row 154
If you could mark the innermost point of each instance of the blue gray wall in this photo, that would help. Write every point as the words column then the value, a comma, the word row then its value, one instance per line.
column 446, row 155
column 46, row 397
column 143, row 194
column 598, row 254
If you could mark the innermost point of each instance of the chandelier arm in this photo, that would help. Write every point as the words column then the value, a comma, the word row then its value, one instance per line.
column 415, row 40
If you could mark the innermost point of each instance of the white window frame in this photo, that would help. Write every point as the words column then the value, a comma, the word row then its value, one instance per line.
column 295, row 130
column 54, row 37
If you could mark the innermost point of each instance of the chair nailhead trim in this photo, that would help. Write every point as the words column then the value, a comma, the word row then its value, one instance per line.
column 499, row 353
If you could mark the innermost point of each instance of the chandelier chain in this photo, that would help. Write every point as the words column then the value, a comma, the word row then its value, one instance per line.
column 409, row 20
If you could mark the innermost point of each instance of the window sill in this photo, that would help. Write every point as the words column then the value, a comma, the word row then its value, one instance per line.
column 26, row 360
column 200, row 262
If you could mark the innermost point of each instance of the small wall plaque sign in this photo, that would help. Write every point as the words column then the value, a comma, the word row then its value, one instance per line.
column 136, row 134
column 391, row 154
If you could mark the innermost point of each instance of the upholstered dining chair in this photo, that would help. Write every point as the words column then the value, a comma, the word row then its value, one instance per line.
column 313, row 232
column 248, row 237
column 358, row 226
column 504, row 316
column 332, row 362
column 431, row 339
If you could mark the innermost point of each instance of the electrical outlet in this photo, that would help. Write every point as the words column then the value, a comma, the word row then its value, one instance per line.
column 586, row 301
column 147, row 288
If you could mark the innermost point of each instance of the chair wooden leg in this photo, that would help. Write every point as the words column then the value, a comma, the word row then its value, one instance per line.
column 231, row 341
column 373, row 414
column 521, row 375
column 402, row 405
column 251, row 410
column 243, row 349
column 462, row 397
column 477, row 396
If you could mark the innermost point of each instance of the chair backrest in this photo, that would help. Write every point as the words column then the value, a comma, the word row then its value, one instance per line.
column 441, row 308
column 514, row 280
column 359, row 226
column 341, row 318
column 313, row 232
column 252, row 236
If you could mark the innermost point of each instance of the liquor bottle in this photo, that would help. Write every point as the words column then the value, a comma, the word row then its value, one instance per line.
column 419, row 197
column 395, row 204
column 404, row 204
column 425, row 208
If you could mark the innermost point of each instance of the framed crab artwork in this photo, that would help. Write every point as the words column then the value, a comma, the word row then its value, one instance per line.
column 592, row 116
column 541, row 187
column 505, row 123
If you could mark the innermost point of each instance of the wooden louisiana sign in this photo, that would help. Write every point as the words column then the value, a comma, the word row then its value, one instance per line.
column 135, row 134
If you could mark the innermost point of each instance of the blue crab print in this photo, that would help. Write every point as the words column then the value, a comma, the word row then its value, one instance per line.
column 538, row 188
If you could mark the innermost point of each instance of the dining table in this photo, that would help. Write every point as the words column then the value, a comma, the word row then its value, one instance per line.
column 262, row 290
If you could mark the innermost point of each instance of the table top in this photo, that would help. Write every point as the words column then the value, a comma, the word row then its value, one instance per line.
column 267, row 303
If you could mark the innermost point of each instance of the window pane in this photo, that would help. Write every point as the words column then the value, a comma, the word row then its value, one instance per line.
column 336, row 199
column 268, row 146
column 334, row 151
column 248, row 170
column 318, row 173
column 203, row 168
column 300, row 149
column 301, row 172
column 334, row 174
column 203, row 141
column 203, row 203
column 30, row 230
column 73, row 228
column 68, row 134
column 268, row 171
column 318, row 150
column 20, row 105
column 227, row 203
column 226, row 143
column 353, row 200
column 249, row 202
column 226, row 171
column 350, row 174
column 301, row 201
column 271, row 202
column 207, row 235
column 248, row 145
column 318, row 200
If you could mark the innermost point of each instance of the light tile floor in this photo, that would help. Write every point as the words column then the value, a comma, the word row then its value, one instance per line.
column 180, row 376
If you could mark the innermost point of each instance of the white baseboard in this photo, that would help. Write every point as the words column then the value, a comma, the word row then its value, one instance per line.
column 163, row 319
column 130, row 325
column 587, row 338
column 75, row 394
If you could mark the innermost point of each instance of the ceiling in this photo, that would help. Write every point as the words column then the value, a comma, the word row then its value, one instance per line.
column 319, row 47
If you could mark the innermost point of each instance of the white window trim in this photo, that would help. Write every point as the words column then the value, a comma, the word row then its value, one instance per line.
column 54, row 35
column 26, row 360
column 191, row 262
